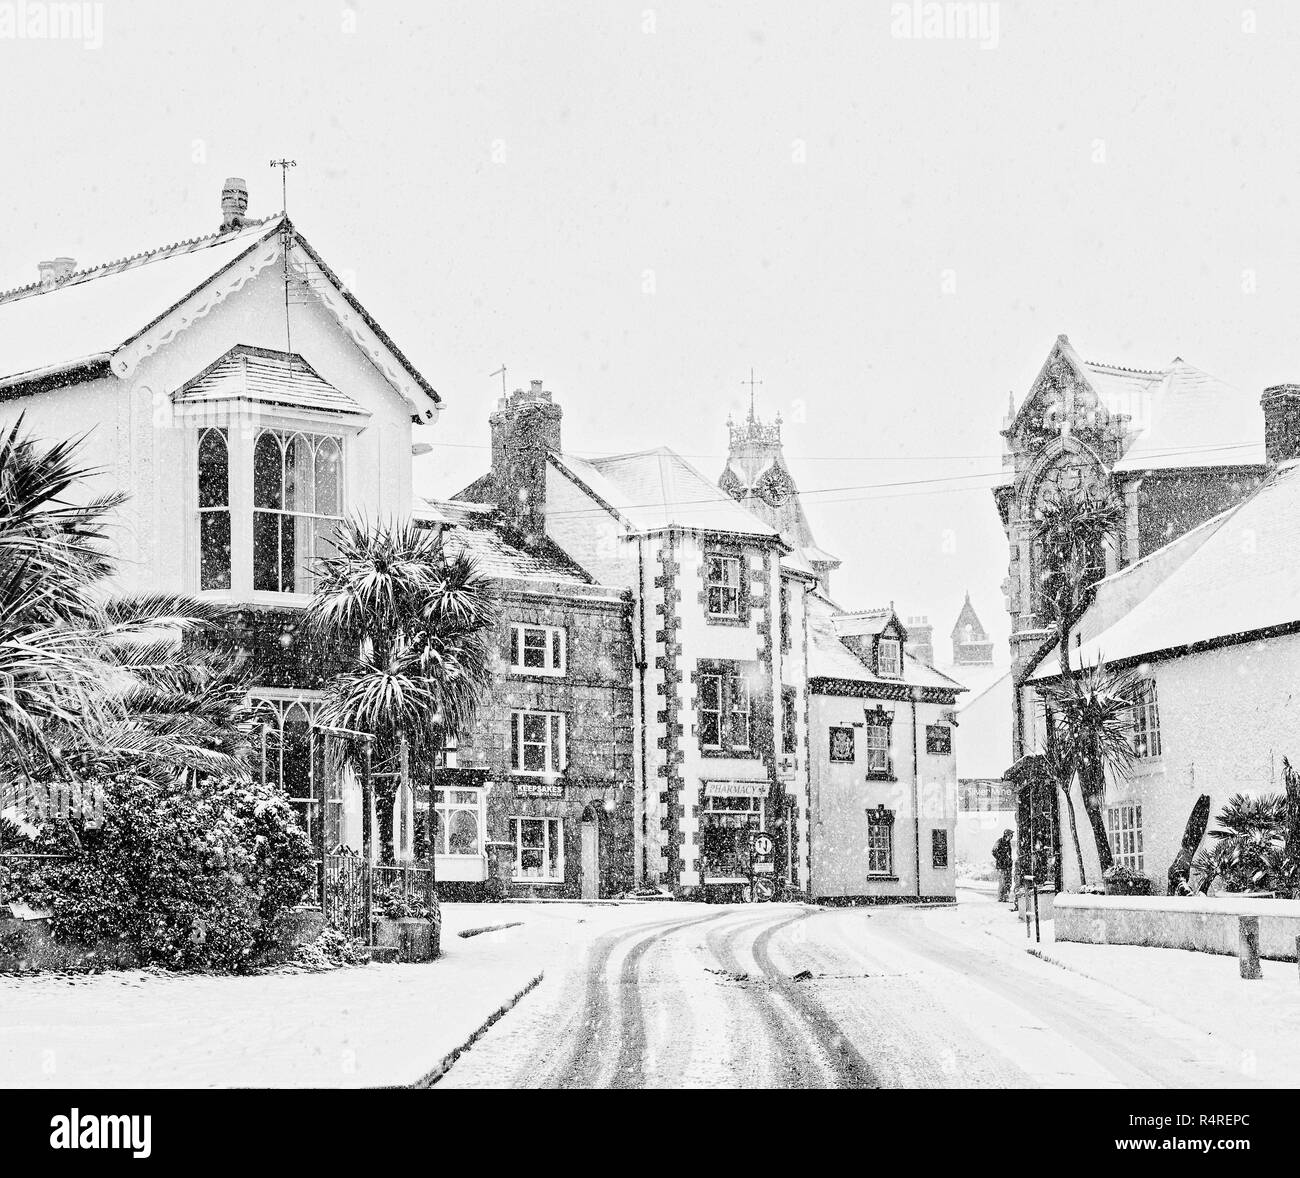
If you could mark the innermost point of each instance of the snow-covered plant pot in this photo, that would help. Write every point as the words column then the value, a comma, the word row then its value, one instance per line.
column 415, row 938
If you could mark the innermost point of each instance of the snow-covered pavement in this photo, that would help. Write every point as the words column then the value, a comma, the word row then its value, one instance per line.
column 372, row 1025
column 681, row 995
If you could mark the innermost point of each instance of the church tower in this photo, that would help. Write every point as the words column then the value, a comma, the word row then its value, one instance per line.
column 971, row 645
column 756, row 476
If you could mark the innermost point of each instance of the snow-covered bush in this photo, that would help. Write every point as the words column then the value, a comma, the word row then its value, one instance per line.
column 192, row 874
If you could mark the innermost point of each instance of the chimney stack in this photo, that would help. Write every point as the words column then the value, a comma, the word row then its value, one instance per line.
column 1281, row 404
column 56, row 271
column 234, row 203
column 525, row 428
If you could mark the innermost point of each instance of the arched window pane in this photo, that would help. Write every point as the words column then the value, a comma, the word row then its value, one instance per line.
column 267, row 472
column 214, row 470
column 298, row 475
column 463, row 836
column 328, row 469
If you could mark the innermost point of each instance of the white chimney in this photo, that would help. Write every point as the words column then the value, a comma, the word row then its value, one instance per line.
column 234, row 203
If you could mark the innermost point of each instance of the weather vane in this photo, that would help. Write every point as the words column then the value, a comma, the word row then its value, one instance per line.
column 751, row 382
column 284, row 166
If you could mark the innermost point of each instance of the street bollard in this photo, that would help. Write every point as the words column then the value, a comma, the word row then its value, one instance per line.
column 1297, row 953
column 1248, row 947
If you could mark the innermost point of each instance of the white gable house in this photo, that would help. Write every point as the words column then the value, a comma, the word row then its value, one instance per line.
column 245, row 401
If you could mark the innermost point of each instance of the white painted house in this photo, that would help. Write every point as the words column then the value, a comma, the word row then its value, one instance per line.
column 1212, row 624
column 246, row 401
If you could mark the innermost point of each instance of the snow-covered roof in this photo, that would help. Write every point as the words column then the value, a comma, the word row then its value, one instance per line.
column 1235, row 575
column 475, row 528
column 97, row 313
column 657, row 489
column 1178, row 415
column 96, row 310
column 830, row 659
column 260, row 374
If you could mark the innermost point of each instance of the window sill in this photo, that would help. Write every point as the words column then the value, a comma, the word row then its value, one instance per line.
column 842, row 761
column 875, row 878
column 536, row 673
column 881, row 777
column 712, row 620
column 734, row 754
column 262, row 598
column 524, row 879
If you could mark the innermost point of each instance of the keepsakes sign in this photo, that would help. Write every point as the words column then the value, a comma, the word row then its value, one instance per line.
column 538, row 789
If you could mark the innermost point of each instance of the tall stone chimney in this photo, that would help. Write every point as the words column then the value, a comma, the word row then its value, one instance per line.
column 920, row 639
column 525, row 428
column 234, row 203
column 1281, row 404
column 56, row 271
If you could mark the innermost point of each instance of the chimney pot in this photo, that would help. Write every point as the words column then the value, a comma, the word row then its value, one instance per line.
column 1281, row 405
column 234, row 202
column 56, row 271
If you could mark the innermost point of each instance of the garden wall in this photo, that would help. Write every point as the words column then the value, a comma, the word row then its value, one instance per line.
column 1202, row 923
column 28, row 946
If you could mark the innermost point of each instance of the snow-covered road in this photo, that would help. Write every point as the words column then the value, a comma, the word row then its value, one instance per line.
column 786, row 996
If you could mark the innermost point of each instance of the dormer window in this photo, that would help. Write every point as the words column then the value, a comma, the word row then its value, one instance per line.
column 889, row 658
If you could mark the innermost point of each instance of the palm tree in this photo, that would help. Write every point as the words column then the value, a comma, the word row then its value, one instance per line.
column 1249, row 852
column 412, row 625
column 51, row 554
column 1073, row 530
column 91, row 684
column 1090, row 735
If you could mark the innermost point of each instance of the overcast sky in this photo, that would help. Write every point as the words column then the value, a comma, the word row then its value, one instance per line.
column 637, row 202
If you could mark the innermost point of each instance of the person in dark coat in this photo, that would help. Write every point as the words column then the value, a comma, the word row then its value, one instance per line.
column 1002, row 861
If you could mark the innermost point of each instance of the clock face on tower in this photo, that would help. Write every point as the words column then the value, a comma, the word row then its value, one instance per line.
column 775, row 487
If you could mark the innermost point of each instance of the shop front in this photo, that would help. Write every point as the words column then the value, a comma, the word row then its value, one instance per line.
column 732, row 814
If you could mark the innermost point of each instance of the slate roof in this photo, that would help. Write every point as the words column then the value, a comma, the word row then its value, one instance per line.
column 1234, row 576
column 657, row 489
column 474, row 528
column 260, row 374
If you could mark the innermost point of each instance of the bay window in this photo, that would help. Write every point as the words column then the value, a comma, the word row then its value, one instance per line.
column 297, row 504
column 268, row 503
column 457, row 822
